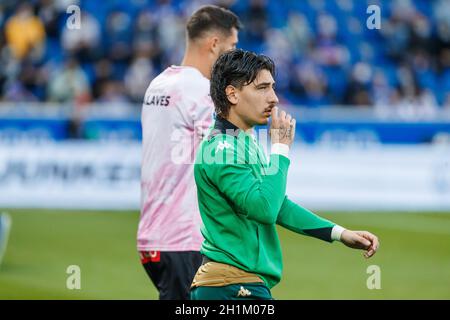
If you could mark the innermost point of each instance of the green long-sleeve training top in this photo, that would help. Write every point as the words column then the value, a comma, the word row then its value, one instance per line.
column 242, row 197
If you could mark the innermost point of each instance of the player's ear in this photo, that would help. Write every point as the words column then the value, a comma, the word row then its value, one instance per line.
column 214, row 45
column 232, row 94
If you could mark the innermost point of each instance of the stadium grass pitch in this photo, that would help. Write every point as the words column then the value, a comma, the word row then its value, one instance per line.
column 414, row 258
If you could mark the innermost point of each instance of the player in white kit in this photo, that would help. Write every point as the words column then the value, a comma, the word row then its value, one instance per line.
column 176, row 107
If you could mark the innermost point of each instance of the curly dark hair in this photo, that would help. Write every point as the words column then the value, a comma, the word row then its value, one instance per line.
column 237, row 68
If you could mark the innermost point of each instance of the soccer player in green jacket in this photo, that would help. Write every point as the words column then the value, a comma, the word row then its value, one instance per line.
column 242, row 195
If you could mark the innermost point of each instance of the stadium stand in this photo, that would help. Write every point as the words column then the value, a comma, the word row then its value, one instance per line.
column 324, row 52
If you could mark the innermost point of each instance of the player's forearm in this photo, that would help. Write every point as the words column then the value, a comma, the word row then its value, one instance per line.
column 300, row 220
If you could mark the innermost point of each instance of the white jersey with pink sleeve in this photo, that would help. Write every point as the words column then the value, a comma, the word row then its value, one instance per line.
column 176, row 108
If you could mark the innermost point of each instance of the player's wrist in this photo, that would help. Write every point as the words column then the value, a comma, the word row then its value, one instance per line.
column 281, row 149
column 336, row 233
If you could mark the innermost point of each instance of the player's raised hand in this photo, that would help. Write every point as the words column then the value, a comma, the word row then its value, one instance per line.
column 282, row 127
column 361, row 240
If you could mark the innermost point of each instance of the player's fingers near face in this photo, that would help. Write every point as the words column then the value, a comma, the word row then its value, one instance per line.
column 288, row 118
column 274, row 114
column 274, row 122
column 283, row 115
column 293, row 124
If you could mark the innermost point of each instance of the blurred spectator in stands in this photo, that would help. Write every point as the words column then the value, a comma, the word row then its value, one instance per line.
column 3, row 57
column 24, row 81
column 277, row 47
column 443, row 45
column 25, row 33
column 414, row 101
column 33, row 79
column 2, row 14
column 421, row 37
column 446, row 104
column 189, row 7
column 103, row 72
column 111, row 39
column 419, row 104
column 309, row 85
column 146, row 37
column 256, row 18
column 421, row 63
column 382, row 92
column 69, row 84
column 396, row 33
column 112, row 92
column 49, row 13
column 118, row 35
column 15, row 91
column 298, row 33
column 328, row 51
column 358, row 88
column 83, row 43
column 138, row 76
column 171, row 29
column 405, row 10
column 442, row 11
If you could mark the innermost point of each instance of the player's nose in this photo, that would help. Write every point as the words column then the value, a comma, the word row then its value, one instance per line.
column 273, row 99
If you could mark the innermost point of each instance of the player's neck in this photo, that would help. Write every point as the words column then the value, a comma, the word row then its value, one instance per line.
column 238, row 122
column 197, row 61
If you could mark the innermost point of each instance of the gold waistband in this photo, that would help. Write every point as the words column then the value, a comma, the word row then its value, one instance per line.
column 215, row 274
